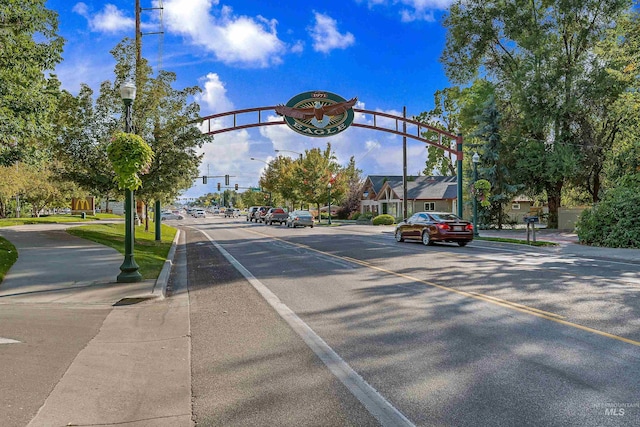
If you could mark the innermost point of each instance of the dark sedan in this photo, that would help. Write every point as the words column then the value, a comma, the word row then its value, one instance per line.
column 433, row 227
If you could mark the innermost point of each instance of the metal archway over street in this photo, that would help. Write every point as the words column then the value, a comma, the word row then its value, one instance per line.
column 254, row 117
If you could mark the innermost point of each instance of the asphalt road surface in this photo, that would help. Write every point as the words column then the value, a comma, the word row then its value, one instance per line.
column 336, row 326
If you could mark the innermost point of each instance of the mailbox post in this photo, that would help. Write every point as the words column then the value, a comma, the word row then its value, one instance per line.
column 531, row 226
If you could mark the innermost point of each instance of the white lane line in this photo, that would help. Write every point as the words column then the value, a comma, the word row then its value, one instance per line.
column 8, row 341
column 373, row 401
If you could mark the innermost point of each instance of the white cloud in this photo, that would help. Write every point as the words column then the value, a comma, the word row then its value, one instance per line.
column 239, row 40
column 214, row 95
column 109, row 20
column 412, row 10
column 326, row 36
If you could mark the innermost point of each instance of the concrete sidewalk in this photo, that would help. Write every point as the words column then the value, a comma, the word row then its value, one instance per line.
column 136, row 370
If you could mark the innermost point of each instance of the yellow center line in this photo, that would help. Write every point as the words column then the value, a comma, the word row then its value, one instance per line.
column 486, row 298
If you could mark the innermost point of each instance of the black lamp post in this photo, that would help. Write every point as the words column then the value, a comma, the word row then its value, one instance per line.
column 129, row 268
column 475, row 159
column 329, row 188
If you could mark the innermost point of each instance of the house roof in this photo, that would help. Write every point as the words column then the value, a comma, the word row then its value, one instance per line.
column 377, row 181
column 426, row 188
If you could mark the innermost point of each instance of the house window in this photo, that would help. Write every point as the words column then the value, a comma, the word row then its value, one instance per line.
column 515, row 206
column 429, row 206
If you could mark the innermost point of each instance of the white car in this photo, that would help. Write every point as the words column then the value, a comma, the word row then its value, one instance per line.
column 199, row 213
column 170, row 215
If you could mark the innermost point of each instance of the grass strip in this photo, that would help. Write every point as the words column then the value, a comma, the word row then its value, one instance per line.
column 149, row 254
column 8, row 256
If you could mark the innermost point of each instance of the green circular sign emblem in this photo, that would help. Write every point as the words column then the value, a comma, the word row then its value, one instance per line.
column 318, row 113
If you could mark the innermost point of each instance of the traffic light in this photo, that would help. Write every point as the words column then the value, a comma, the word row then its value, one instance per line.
column 204, row 179
column 236, row 187
column 226, row 180
column 218, row 186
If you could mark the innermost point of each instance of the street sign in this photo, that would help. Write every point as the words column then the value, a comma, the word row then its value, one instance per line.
column 256, row 189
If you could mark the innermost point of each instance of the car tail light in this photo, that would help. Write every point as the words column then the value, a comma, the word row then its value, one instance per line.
column 469, row 227
column 444, row 226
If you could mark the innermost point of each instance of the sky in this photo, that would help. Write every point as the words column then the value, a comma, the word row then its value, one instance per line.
column 256, row 53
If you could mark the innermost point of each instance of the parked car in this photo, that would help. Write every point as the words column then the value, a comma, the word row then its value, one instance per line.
column 170, row 215
column 278, row 215
column 300, row 218
column 259, row 214
column 433, row 227
column 199, row 213
column 252, row 210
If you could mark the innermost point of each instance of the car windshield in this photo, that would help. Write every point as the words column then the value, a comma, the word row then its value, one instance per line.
column 445, row 217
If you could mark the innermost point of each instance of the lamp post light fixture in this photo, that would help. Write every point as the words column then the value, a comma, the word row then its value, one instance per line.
column 475, row 159
column 129, row 269
column 259, row 160
column 329, row 188
column 290, row 151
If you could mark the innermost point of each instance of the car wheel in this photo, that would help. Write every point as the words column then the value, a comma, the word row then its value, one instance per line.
column 426, row 239
column 463, row 243
column 399, row 237
column 311, row 226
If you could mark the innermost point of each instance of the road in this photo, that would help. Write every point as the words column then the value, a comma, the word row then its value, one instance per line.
column 362, row 330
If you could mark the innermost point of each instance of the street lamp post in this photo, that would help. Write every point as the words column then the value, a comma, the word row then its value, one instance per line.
column 475, row 159
column 329, row 188
column 129, row 269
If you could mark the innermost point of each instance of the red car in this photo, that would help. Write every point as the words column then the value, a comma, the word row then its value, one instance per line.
column 433, row 227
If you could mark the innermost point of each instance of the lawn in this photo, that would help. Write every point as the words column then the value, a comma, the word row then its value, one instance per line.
column 8, row 256
column 56, row 219
column 149, row 254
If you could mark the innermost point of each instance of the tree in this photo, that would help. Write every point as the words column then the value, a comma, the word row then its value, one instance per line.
column 495, row 163
column 352, row 178
column 318, row 168
column 166, row 121
column 83, row 133
column 29, row 47
column 539, row 54
column 445, row 116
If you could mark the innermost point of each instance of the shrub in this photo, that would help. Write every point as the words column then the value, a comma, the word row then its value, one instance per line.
column 613, row 221
column 355, row 215
column 384, row 219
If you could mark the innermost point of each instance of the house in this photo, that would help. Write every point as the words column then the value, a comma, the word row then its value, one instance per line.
column 384, row 194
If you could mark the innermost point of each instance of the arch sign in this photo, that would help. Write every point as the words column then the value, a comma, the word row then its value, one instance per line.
column 317, row 113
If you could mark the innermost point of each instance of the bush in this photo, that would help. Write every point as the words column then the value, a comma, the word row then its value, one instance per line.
column 384, row 219
column 613, row 221
column 355, row 215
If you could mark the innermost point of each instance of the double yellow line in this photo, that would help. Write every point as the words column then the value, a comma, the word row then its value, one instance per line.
column 486, row 298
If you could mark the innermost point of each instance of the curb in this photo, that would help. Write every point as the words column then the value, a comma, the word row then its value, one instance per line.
column 163, row 279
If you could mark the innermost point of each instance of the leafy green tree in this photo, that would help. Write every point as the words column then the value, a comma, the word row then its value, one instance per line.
column 83, row 134
column 318, row 168
column 29, row 48
column 165, row 120
column 445, row 115
column 540, row 56
column 350, row 178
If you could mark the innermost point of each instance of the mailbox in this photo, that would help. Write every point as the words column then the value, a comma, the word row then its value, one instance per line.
column 531, row 219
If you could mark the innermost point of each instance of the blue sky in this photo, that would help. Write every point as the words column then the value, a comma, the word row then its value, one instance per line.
column 255, row 53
